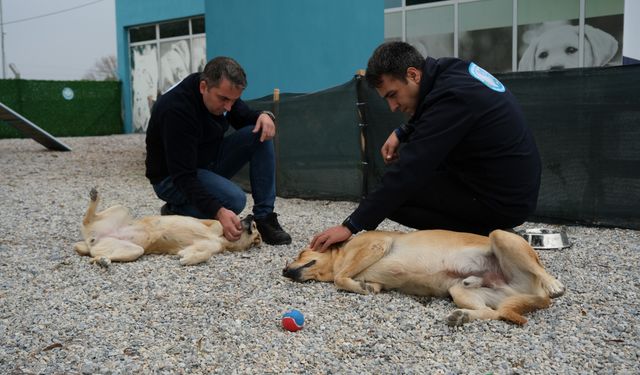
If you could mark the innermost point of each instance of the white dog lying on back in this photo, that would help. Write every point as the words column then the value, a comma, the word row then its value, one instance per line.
column 114, row 235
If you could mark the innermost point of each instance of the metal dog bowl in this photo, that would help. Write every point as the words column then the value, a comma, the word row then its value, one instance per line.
column 546, row 239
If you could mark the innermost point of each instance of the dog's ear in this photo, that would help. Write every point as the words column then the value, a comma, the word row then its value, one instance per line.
column 528, row 59
column 603, row 45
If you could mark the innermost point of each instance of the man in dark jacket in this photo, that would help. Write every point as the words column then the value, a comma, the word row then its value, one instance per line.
column 469, row 163
column 190, row 161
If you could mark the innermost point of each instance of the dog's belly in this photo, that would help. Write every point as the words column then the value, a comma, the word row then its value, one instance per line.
column 130, row 233
column 431, row 271
column 170, row 234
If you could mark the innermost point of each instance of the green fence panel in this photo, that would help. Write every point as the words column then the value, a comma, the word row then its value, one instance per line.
column 64, row 108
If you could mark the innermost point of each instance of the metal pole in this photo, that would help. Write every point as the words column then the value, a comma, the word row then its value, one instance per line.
column 4, row 75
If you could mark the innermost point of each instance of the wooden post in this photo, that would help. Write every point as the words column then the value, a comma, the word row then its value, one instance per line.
column 275, row 108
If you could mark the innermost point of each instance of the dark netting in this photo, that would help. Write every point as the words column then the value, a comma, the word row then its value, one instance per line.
column 317, row 148
column 380, row 123
column 317, row 144
column 95, row 108
column 587, row 126
column 586, row 123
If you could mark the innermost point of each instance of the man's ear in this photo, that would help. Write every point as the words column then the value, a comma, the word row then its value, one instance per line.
column 203, row 86
column 414, row 74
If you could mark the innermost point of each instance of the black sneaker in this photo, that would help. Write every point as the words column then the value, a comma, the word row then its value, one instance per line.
column 166, row 210
column 271, row 231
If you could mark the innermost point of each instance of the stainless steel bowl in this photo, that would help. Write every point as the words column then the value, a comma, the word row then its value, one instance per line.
column 546, row 239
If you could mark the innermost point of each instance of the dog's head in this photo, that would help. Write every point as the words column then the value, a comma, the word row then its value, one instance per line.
column 311, row 265
column 558, row 47
column 249, row 237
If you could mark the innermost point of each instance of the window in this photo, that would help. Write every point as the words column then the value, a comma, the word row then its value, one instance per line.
column 542, row 24
column 508, row 35
column 604, row 23
column 393, row 26
column 162, row 55
column 431, row 30
column 485, row 34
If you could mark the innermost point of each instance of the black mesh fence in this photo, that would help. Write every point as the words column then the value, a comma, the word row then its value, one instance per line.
column 586, row 123
column 587, row 126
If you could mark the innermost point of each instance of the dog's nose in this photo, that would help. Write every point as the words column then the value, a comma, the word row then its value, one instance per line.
column 293, row 274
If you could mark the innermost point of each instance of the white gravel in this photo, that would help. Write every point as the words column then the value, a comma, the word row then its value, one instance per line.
column 61, row 314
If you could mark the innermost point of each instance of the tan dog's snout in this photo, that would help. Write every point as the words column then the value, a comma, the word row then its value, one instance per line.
column 296, row 273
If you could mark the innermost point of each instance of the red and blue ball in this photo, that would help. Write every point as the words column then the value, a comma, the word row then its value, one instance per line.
column 292, row 320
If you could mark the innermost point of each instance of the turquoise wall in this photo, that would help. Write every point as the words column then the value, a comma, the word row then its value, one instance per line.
column 295, row 45
column 139, row 12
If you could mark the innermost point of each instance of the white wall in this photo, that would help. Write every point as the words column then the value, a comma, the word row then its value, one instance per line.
column 631, row 40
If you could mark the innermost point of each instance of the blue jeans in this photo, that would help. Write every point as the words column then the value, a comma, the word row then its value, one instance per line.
column 236, row 150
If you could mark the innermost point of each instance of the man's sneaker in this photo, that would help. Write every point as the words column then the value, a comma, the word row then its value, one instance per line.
column 166, row 210
column 271, row 231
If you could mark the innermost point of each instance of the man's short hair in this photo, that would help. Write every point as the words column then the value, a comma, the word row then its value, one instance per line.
column 223, row 67
column 393, row 59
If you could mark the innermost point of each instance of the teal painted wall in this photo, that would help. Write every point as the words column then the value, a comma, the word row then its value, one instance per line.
column 139, row 12
column 295, row 45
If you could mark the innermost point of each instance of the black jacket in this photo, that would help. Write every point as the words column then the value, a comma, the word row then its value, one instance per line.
column 184, row 136
column 475, row 133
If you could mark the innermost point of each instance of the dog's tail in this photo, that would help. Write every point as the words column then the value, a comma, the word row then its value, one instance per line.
column 90, row 215
column 512, row 308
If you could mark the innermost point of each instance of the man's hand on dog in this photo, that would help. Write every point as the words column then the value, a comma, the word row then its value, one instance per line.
column 231, row 225
column 322, row 241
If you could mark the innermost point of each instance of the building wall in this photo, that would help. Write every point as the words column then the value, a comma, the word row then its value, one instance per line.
column 295, row 45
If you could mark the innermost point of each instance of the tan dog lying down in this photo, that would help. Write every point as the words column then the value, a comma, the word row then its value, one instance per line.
column 114, row 235
column 495, row 277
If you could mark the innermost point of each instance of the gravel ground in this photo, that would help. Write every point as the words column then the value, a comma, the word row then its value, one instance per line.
column 61, row 314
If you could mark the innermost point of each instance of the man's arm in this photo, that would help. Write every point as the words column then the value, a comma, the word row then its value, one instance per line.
column 436, row 133
column 242, row 115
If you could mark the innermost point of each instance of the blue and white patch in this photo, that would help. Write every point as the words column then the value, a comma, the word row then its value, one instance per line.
column 486, row 78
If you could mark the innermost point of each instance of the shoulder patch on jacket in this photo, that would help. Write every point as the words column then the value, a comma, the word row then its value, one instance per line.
column 486, row 78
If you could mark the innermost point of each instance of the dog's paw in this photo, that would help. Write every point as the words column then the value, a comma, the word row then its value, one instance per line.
column 93, row 194
column 189, row 258
column 102, row 262
column 554, row 288
column 457, row 318
column 362, row 286
column 368, row 288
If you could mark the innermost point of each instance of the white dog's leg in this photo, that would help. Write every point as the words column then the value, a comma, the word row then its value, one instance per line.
column 473, row 303
column 360, row 254
column 520, row 264
column 116, row 250
column 199, row 252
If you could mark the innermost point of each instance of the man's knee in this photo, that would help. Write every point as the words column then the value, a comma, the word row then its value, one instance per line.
column 237, row 200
